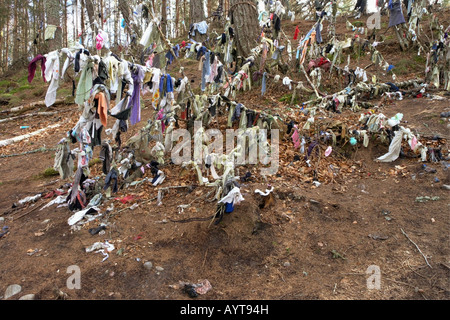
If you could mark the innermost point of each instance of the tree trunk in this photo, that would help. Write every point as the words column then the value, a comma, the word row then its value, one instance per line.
column 75, row 15
column 124, row 9
column 164, row 17
column 83, row 27
column 177, row 17
column 15, row 42
column 65, row 24
column 91, row 16
column 25, row 27
column 52, row 10
column 197, row 14
column 244, row 19
column 7, row 38
column 116, row 25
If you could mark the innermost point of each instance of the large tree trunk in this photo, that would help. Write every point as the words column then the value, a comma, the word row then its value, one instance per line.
column 52, row 9
column 91, row 16
column 244, row 19
column 197, row 14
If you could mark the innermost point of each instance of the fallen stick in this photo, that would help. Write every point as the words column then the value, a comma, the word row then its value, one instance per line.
column 26, row 213
column 45, row 113
column 9, row 141
column 32, row 105
column 416, row 247
column 42, row 149
column 175, row 187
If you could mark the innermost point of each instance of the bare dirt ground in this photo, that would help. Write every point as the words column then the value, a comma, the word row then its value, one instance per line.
column 311, row 243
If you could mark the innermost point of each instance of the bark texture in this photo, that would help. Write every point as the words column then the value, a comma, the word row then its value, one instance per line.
column 244, row 19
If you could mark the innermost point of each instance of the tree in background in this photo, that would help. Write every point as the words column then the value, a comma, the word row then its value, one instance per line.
column 52, row 12
column 244, row 18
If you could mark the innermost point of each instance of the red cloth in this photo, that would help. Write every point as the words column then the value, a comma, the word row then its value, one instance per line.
column 125, row 199
column 32, row 67
column 297, row 31
column 322, row 61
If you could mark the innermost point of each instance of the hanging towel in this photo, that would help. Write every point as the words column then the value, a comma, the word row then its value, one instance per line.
column 32, row 67
column 85, row 84
column 52, row 75
column 135, row 101
column 102, row 108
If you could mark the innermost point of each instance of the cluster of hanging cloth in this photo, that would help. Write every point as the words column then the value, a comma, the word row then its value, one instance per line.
column 104, row 78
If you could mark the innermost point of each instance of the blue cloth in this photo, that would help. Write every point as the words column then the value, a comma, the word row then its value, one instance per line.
column 169, row 83
column 206, row 69
column 165, row 84
column 396, row 15
column 237, row 112
column 161, row 85
column 170, row 56
column 263, row 85
column 201, row 52
column 201, row 27
column 318, row 34
column 393, row 88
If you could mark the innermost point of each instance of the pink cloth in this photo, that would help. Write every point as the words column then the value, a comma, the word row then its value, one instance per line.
column 160, row 116
column 99, row 39
column 296, row 138
column 413, row 143
column 33, row 65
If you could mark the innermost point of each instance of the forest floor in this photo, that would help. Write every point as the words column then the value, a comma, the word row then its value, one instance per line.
column 312, row 243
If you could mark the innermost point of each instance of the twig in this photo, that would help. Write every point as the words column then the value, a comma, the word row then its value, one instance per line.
column 312, row 85
column 29, row 211
column 173, row 187
column 204, row 260
column 416, row 247
column 399, row 282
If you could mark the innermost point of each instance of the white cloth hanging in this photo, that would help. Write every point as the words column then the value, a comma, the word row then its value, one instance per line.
column 52, row 75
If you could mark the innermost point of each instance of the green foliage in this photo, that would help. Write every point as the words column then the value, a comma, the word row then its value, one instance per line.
column 49, row 172
column 94, row 161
